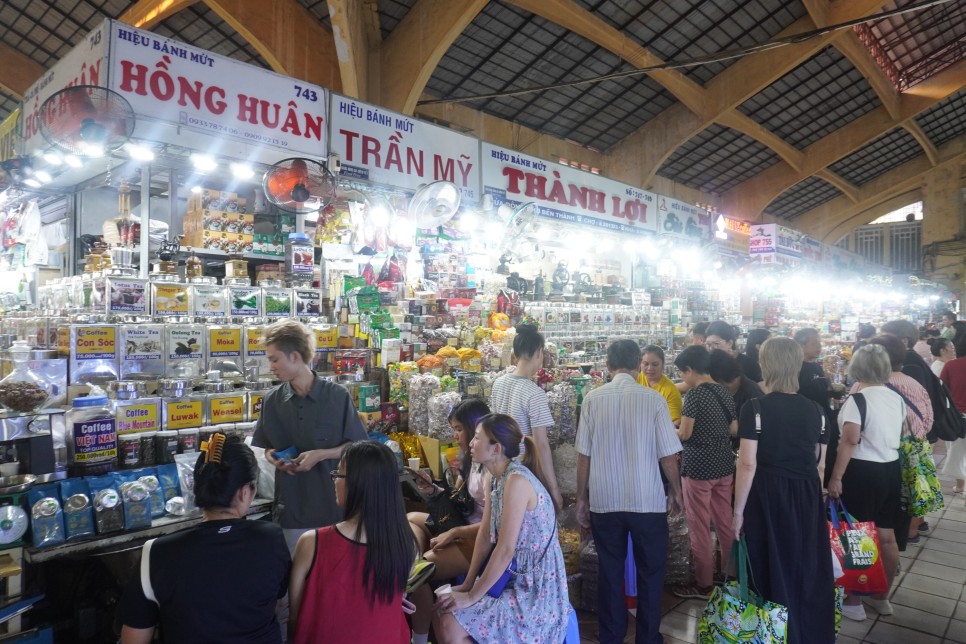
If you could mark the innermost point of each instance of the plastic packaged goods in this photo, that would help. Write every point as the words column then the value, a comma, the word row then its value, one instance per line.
column 141, row 355
column 22, row 390
column 166, row 446
column 299, row 260
column 93, row 354
column 421, row 387
column 91, row 437
column 184, row 350
column 440, row 406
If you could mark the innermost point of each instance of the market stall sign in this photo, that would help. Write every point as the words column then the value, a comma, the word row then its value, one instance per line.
column 682, row 219
column 85, row 64
column 567, row 194
column 166, row 80
column 394, row 149
column 788, row 242
column 761, row 245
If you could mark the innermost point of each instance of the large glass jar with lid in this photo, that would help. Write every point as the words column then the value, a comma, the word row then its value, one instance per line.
column 23, row 390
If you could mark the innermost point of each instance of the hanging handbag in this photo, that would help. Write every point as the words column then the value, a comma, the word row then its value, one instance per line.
column 737, row 614
column 448, row 508
column 512, row 570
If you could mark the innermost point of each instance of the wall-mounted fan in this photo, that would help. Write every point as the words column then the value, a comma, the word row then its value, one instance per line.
column 517, row 244
column 434, row 204
column 86, row 120
column 299, row 185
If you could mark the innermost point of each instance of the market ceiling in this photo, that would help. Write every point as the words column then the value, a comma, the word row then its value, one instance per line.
column 844, row 120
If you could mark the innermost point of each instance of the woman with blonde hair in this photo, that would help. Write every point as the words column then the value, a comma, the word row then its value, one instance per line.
column 778, row 496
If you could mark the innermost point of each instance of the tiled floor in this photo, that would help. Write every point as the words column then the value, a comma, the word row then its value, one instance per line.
column 928, row 594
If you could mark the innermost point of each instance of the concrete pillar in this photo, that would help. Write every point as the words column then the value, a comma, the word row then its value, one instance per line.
column 942, row 219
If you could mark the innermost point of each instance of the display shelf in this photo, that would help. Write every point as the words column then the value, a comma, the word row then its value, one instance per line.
column 131, row 539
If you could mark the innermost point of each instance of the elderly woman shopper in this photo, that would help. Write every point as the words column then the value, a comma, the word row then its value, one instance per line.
column 652, row 376
column 778, row 496
column 866, row 474
column 518, row 524
column 942, row 352
column 708, row 421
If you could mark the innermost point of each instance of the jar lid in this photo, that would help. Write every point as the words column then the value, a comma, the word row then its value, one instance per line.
column 189, row 431
column 129, row 438
column 298, row 237
column 106, row 499
column 261, row 383
column 126, row 389
column 217, row 386
column 167, row 433
column 143, row 435
column 90, row 401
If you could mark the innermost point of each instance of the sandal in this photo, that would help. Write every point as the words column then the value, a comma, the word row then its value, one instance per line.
column 692, row 592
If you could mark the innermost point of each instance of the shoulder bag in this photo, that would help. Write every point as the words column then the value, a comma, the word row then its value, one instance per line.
column 512, row 570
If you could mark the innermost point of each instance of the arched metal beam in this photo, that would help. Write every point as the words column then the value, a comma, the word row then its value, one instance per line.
column 147, row 13
column 287, row 36
column 750, row 198
column 351, row 36
column 850, row 190
column 411, row 52
column 640, row 155
column 912, row 127
column 832, row 218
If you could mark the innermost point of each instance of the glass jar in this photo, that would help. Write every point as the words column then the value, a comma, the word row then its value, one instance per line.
column 91, row 437
column 256, row 394
column 22, row 391
column 224, row 403
column 181, row 408
column 299, row 260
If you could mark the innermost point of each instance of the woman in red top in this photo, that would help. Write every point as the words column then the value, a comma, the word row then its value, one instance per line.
column 348, row 580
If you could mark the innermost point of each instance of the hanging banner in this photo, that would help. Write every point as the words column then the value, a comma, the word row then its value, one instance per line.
column 761, row 244
column 8, row 136
column 566, row 194
column 682, row 219
column 397, row 150
column 813, row 252
column 85, row 64
column 167, row 80
column 788, row 242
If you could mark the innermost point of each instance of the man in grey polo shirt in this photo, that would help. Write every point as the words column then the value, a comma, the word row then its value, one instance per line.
column 311, row 414
column 625, row 430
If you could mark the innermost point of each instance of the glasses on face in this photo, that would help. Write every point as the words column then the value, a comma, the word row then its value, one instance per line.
column 714, row 344
column 335, row 474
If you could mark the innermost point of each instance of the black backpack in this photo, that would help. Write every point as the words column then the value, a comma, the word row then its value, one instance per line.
column 948, row 424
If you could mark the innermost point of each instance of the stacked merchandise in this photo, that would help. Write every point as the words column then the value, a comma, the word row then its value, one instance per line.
column 220, row 221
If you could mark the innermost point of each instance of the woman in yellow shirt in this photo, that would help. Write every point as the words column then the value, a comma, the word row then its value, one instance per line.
column 652, row 375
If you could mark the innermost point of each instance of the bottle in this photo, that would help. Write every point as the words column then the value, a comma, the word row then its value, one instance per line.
column 22, row 390
column 299, row 260
column 91, row 436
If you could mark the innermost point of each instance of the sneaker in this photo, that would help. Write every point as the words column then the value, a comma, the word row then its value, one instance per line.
column 691, row 592
column 913, row 541
column 881, row 606
column 924, row 527
column 419, row 574
column 855, row 613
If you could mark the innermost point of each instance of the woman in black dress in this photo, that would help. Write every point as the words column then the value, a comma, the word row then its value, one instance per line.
column 778, row 497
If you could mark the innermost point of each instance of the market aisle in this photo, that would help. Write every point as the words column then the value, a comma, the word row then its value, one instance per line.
column 929, row 599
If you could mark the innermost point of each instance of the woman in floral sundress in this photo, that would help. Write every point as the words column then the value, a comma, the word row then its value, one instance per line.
column 519, row 512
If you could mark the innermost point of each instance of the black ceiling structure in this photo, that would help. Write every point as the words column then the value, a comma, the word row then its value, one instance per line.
column 506, row 48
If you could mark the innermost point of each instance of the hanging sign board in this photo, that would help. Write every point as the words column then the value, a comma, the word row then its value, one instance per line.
column 761, row 244
column 566, row 194
column 169, row 81
column 813, row 252
column 8, row 136
column 85, row 64
column 788, row 242
column 682, row 219
column 397, row 150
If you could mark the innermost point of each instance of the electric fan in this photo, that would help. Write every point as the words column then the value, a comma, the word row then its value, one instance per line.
column 86, row 120
column 434, row 204
column 299, row 185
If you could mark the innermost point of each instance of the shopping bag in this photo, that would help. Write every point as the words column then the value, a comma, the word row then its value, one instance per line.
column 856, row 544
column 735, row 613
column 921, row 491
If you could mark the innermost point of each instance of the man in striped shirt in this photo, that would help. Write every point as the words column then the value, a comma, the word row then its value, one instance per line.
column 625, row 430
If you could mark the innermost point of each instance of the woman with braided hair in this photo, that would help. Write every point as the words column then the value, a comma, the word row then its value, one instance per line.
column 242, row 566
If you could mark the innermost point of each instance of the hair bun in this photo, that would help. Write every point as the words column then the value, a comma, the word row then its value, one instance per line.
column 527, row 328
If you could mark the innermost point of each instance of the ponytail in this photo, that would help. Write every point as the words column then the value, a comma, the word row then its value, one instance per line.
column 531, row 460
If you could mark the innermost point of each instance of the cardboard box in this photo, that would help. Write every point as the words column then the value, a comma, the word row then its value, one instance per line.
column 217, row 240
